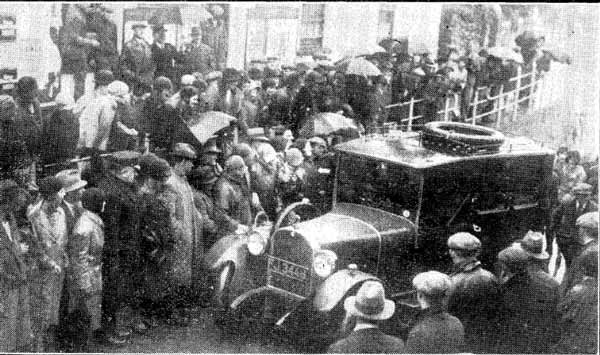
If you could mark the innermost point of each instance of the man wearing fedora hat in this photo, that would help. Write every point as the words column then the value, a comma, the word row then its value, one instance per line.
column 136, row 63
column 197, row 56
column 433, row 330
column 564, row 218
column 368, row 307
column 210, row 154
column 474, row 294
column 165, row 55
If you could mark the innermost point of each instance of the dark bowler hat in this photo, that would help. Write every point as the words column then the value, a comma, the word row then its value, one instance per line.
column 154, row 167
column 104, row 77
column 138, row 25
column 158, row 28
column 534, row 244
column 204, row 174
column 211, row 148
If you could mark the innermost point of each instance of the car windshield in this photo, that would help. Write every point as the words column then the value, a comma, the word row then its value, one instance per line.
column 378, row 184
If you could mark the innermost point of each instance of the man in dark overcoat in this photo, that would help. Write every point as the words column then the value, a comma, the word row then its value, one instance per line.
column 121, row 248
column 528, row 315
column 164, row 54
column 198, row 57
column 105, row 56
column 136, row 63
column 564, row 217
column 586, row 243
column 474, row 295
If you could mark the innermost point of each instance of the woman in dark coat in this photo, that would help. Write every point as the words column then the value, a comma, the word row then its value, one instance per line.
column 60, row 133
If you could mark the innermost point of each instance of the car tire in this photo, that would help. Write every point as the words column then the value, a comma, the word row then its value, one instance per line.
column 465, row 133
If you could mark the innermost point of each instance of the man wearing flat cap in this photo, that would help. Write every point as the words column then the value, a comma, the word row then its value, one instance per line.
column 136, row 63
column 474, row 294
column 368, row 307
column 120, row 270
column 586, row 243
column 433, row 330
column 188, row 241
column 165, row 55
column 564, row 219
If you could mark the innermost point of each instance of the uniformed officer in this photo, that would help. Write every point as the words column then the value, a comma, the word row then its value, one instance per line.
column 136, row 64
column 320, row 178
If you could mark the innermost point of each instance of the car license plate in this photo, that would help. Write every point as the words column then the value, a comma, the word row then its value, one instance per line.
column 287, row 269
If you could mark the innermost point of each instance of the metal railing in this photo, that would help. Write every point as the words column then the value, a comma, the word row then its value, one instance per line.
column 505, row 103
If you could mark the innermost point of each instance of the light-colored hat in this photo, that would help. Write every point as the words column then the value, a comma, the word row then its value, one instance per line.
column 184, row 150
column 588, row 220
column 534, row 244
column 187, row 80
column 234, row 162
column 582, row 188
column 118, row 88
column 294, row 157
column 318, row 141
column 464, row 241
column 432, row 283
column 71, row 180
column 213, row 75
column 370, row 302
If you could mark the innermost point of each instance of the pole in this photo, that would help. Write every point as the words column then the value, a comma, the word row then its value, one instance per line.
column 500, row 106
column 475, row 101
column 446, row 105
column 532, row 90
column 516, row 94
column 411, row 107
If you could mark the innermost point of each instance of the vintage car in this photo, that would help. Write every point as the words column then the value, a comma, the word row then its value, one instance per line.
column 396, row 201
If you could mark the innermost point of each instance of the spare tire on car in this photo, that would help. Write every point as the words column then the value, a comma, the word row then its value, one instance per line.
column 461, row 138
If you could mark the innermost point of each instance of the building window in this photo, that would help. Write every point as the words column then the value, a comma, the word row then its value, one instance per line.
column 386, row 23
column 311, row 28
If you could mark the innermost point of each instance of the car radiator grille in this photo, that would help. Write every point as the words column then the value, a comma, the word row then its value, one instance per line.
column 290, row 264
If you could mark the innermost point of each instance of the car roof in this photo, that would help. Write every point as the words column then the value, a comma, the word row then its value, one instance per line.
column 408, row 151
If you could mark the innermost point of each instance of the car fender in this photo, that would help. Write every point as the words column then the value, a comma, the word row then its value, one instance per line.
column 230, row 248
column 335, row 287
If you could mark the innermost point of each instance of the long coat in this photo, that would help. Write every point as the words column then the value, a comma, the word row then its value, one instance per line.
column 120, row 266
column 188, row 249
column 137, row 66
column 60, row 134
column 166, row 60
column 198, row 57
column 528, row 320
column 46, row 287
column 368, row 341
column 105, row 56
column 474, row 299
column 85, row 255
column 435, row 331
column 15, row 325
column 215, row 222
column 73, row 53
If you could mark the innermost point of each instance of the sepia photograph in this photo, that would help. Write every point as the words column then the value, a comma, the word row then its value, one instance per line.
column 299, row 177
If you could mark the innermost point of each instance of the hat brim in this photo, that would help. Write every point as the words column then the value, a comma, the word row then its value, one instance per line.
column 389, row 307
column 81, row 184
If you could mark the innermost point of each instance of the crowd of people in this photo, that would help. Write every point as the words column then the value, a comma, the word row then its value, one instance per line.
column 117, row 244
column 519, row 310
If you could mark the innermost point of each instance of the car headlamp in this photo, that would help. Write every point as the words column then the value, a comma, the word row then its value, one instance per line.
column 324, row 262
column 256, row 244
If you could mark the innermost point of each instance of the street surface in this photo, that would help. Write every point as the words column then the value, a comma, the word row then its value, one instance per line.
column 200, row 336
